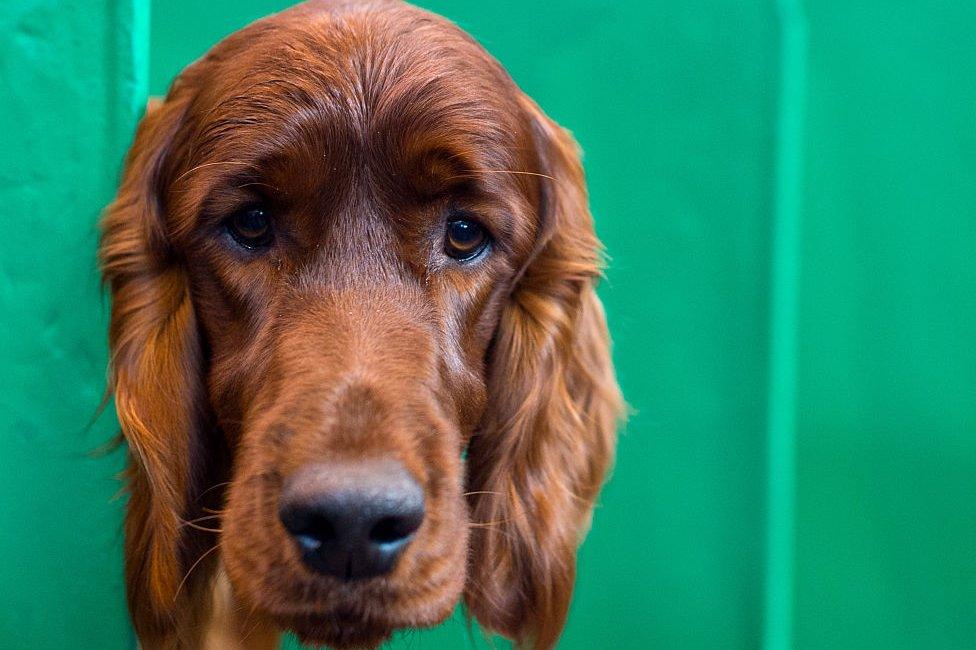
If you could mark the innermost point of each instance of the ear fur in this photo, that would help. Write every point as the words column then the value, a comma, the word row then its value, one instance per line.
column 540, row 457
column 156, row 377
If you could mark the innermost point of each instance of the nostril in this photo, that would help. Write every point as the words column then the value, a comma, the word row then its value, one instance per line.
column 322, row 529
column 308, row 520
column 315, row 532
column 389, row 530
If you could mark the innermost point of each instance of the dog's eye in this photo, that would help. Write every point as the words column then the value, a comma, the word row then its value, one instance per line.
column 251, row 227
column 465, row 239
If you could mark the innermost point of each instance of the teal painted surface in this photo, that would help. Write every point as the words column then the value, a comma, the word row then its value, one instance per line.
column 886, row 422
column 68, row 89
column 786, row 192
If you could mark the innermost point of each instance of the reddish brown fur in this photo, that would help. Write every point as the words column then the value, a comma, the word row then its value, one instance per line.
column 354, row 336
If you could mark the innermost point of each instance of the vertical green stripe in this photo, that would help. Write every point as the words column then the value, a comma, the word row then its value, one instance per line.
column 141, row 15
column 783, row 327
column 128, row 67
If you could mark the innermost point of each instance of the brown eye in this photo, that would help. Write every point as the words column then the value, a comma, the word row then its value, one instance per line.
column 465, row 239
column 251, row 227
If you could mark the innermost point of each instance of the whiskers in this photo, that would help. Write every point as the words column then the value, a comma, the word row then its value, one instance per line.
column 474, row 172
column 192, row 567
column 485, row 524
column 210, row 164
column 194, row 523
column 212, row 488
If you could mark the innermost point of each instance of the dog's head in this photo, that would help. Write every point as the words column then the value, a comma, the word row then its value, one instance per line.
column 356, row 348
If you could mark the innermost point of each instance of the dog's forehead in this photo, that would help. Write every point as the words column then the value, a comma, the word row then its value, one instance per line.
column 339, row 77
column 367, row 60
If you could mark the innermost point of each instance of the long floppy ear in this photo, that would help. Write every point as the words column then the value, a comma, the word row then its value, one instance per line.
column 156, row 378
column 538, row 461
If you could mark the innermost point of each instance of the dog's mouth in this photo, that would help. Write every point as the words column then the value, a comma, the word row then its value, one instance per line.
column 361, row 614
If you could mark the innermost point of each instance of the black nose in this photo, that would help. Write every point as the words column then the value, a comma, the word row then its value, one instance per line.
column 352, row 520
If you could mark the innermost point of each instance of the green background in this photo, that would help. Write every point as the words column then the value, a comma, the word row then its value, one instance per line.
column 787, row 193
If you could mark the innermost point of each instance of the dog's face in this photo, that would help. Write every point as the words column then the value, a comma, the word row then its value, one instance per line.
column 347, row 251
column 347, row 247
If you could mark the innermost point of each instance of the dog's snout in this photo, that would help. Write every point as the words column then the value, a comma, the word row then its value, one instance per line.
column 352, row 520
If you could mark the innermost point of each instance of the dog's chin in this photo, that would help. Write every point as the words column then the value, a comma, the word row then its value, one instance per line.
column 337, row 632
column 348, row 631
column 353, row 627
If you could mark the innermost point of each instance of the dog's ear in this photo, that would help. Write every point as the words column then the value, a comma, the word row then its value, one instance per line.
column 155, row 375
column 538, row 461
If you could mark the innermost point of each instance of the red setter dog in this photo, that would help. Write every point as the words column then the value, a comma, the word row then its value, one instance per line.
column 357, row 354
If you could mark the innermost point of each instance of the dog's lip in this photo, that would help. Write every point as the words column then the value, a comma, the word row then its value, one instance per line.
column 304, row 615
column 382, row 602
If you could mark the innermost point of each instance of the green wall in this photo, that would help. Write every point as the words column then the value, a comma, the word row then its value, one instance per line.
column 68, row 97
column 886, row 411
column 786, row 190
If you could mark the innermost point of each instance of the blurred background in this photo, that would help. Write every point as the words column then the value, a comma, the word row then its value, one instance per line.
column 787, row 191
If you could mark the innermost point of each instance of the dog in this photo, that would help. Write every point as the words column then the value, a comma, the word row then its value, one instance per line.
column 356, row 350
